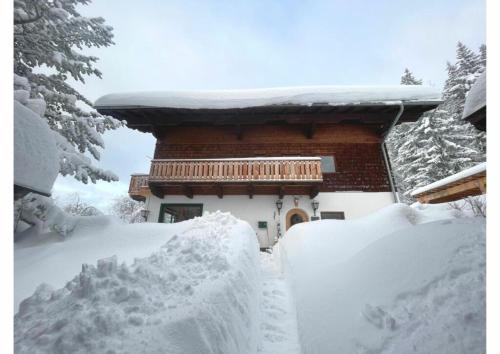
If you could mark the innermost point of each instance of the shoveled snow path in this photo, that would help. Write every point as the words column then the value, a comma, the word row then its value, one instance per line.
column 279, row 319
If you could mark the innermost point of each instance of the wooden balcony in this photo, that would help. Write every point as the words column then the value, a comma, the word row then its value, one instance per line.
column 264, row 176
column 256, row 170
column 138, row 188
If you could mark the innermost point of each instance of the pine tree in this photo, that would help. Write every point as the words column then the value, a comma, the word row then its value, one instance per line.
column 399, row 137
column 440, row 143
column 409, row 79
column 51, row 34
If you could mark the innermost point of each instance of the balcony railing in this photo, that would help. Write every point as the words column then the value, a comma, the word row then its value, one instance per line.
column 286, row 169
column 138, row 188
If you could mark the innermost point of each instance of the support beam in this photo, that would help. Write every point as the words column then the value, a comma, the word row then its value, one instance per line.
column 251, row 191
column 157, row 191
column 220, row 191
column 314, row 192
column 188, row 192
column 311, row 129
column 239, row 132
column 281, row 192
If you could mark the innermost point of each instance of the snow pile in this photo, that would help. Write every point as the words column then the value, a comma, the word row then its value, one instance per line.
column 306, row 95
column 198, row 293
column 387, row 284
column 36, row 161
column 474, row 170
column 476, row 97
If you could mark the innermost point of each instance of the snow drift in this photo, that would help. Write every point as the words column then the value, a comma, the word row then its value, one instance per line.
column 388, row 284
column 198, row 293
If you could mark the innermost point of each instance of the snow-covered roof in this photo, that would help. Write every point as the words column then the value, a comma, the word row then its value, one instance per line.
column 305, row 95
column 36, row 162
column 476, row 98
column 451, row 179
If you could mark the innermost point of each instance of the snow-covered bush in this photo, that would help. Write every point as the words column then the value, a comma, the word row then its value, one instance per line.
column 78, row 207
column 127, row 209
column 471, row 205
column 43, row 214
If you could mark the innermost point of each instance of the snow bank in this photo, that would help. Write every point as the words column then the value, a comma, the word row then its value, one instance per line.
column 306, row 95
column 387, row 284
column 479, row 168
column 36, row 163
column 198, row 293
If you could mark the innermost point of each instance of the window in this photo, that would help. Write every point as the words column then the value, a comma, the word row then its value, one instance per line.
column 333, row 215
column 327, row 164
column 170, row 213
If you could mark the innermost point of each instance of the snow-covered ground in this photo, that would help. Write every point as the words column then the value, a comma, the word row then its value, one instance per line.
column 396, row 281
column 404, row 279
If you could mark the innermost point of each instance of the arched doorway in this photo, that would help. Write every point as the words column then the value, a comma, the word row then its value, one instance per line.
column 295, row 216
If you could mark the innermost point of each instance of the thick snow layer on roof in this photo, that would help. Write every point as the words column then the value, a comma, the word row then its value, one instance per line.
column 387, row 284
column 476, row 98
column 307, row 95
column 36, row 162
column 451, row 179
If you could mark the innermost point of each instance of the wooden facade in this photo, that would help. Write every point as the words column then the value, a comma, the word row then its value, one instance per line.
column 203, row 151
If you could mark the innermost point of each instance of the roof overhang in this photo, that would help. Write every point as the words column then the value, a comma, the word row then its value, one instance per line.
column 146, row 119
column 293, row 105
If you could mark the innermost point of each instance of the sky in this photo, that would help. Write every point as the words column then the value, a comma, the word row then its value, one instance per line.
column 220, row 44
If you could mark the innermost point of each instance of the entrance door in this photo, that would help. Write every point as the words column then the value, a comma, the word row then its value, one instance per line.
column 295, row 216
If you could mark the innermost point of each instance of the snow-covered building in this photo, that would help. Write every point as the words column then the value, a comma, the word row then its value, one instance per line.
column 475, row 103
column 273, row 157
column 466, row 183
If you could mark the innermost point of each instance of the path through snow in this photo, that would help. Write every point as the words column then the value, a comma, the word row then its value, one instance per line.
column 279, row 319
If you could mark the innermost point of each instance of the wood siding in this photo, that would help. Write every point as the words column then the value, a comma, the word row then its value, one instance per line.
column 355, row 148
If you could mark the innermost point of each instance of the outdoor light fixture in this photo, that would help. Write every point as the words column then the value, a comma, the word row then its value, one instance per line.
column 144, row 214
column 279, row 205
column 315, row 205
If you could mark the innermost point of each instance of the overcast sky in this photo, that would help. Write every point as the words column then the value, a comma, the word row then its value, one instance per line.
column 219, row 44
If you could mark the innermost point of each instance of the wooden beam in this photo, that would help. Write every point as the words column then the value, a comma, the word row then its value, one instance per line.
column 251, row 191
column 157, row 191
column 281, row 192
column 239, row 132
column 188, row 192
column 311, row 129
column 314, row 192
column 220, row 191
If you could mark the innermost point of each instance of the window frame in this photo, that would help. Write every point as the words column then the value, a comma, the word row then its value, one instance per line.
column 164, row 206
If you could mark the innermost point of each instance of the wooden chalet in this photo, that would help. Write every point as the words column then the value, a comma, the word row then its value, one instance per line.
column 464, row 184
column 475, row 104
column 270, row 144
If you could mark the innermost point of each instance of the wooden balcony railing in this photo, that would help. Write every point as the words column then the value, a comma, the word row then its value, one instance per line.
column 287, row 169
column 138, row 188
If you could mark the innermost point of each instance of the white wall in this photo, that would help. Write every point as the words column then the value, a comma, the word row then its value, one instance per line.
column 263, row 207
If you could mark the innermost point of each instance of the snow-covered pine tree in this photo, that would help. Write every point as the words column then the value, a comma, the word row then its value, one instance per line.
column 440, row 143
column 409, row 79
column 398, row 139
column 49, row 36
